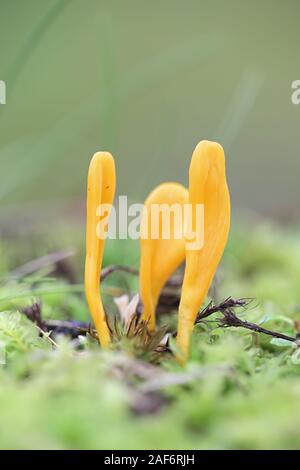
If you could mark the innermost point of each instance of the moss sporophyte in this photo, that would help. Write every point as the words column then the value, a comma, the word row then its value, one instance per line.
column 161, row 255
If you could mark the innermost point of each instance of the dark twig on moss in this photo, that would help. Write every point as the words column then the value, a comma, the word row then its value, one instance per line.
column 230, row 319
column 226, row 304
column 70, row 328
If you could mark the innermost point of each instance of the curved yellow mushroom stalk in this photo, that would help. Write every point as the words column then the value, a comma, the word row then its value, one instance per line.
column 100, row 195
column 207, row 186
column 162, row 243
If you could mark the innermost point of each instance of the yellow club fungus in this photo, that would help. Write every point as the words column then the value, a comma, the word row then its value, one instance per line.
column 162, row 246
column 100, row 194
column 207, row 186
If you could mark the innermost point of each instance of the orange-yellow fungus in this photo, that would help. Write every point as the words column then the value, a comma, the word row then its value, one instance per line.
column 207, row 186
column 162, row 244
column 100, row 192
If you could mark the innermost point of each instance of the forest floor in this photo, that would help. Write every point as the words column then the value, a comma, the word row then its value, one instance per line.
column 239, row 390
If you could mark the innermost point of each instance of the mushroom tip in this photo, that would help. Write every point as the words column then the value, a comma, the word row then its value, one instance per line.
column 209, row 146
column 209, row 153
column 101, row 155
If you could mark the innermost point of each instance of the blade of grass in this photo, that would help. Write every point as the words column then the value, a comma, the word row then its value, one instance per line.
column 239, row 107
column 29, row 45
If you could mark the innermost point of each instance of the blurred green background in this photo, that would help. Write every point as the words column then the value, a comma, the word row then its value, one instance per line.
column 146, row 81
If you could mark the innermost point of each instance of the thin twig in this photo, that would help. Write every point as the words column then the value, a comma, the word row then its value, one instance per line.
column 230, row 319
column 222, row 307
column 117, row 268
column 40, row 263
column 174, row 281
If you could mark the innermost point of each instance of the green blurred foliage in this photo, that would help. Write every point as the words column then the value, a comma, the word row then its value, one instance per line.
column 147, row 80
